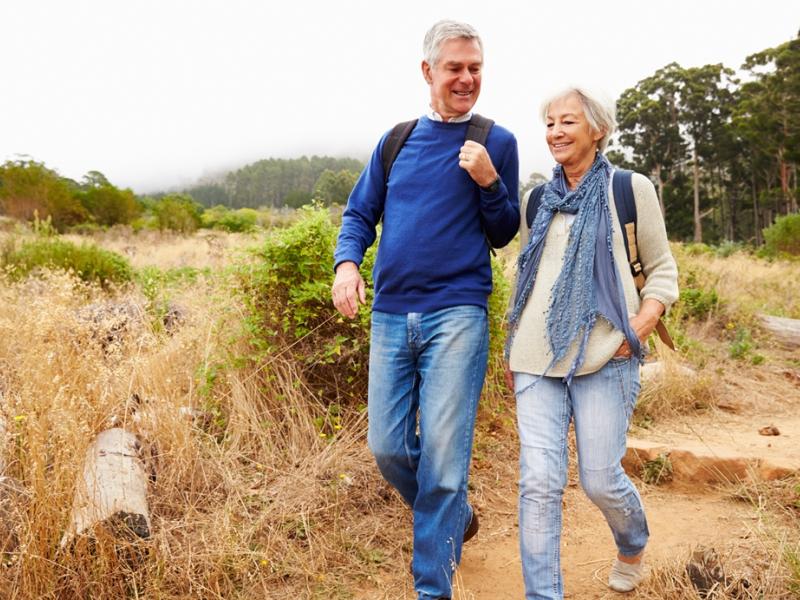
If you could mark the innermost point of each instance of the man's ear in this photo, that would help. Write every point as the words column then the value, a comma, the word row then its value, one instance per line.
column 426, row 72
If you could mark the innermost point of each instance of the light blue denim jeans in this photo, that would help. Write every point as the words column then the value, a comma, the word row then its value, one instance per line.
column 600, row 404
column 426, row 372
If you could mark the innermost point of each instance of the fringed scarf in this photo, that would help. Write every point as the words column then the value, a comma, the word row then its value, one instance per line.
column 589, row 284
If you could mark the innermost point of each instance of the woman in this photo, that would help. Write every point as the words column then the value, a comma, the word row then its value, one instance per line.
column 577, row 331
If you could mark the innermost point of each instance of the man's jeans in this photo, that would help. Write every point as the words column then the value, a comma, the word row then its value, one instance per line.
column 601, row 405
column 426, row 372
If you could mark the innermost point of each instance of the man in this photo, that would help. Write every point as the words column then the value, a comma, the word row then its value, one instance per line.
column 445, row 199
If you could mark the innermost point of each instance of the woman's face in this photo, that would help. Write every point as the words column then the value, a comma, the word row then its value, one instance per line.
column 570, row 138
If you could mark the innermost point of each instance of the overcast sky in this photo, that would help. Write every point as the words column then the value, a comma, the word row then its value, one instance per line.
column 158, row 93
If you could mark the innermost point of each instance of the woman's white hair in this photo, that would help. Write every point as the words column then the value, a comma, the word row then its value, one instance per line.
column 600, row 110
column 443, row 31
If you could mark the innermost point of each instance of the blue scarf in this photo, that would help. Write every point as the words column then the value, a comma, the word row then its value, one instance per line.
column 589, row 284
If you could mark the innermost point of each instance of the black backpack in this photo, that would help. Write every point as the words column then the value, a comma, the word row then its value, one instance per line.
column 625, row 203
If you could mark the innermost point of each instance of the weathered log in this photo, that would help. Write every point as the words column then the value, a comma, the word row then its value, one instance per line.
column 656, row 370
column 112, row 491
column 785, row 331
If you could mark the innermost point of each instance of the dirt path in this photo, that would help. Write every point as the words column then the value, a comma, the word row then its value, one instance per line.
column 705, row 448
column 491, row 568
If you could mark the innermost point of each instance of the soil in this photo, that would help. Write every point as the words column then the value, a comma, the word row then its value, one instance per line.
column 693, row 509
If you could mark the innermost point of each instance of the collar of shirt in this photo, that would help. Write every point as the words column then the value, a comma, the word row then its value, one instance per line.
column 435, row 116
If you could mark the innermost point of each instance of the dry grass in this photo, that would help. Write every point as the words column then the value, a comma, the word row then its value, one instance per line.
column 252, row 504
column 763, row 564
column 249, row 500
column 167, row 250
column 746, row 283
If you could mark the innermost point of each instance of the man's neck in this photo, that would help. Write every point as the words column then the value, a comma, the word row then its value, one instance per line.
column 435, row 116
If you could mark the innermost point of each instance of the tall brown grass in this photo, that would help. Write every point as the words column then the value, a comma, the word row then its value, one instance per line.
column 259, row 495
column 251, row 502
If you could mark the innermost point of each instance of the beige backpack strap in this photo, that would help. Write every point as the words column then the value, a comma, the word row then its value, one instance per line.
column 638, row 278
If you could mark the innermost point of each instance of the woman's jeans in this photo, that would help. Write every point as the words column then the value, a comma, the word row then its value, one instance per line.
column 600, row 404
column 426, row 372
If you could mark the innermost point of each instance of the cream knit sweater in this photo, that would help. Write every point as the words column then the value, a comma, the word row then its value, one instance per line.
column 530, row 350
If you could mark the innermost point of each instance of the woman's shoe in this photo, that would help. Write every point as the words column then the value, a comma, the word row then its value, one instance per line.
column 624, row 577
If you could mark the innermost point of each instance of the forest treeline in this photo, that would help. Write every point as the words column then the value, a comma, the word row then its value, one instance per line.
column 721, row 146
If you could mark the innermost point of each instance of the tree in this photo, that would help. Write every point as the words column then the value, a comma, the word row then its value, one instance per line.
column 648, row 124
column 29, row 188
column 105, row 203
column 705, row 106
column 178, row 212
column 335, row 187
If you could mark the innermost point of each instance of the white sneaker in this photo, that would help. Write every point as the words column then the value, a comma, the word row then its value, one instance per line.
column 624, row 577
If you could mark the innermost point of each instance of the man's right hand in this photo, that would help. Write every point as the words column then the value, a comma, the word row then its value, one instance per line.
column 349, row 289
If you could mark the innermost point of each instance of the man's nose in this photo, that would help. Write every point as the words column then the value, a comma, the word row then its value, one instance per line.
column 465, row 76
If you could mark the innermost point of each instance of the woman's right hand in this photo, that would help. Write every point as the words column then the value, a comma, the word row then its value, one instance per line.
column 509, row 376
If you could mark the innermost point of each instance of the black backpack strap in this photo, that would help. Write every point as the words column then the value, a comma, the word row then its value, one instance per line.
column 394, row 142
column 534, row 201
column 478, row 129
column 625, row 203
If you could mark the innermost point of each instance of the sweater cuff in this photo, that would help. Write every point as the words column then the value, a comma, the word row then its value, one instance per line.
column 339, row 259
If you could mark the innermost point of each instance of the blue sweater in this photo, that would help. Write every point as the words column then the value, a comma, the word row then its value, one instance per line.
column 433, row 251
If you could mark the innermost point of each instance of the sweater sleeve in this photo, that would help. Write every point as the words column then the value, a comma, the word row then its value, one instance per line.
column 524, row 236
column 658, row 264
column 500, row 210
column 363, row 212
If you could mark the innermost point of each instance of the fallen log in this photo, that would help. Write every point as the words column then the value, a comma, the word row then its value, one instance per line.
column 112, row 491
column 785, row 331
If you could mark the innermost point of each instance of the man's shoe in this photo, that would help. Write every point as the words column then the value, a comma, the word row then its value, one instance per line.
column 472, row 528
column 469, row 533
column 624, row 577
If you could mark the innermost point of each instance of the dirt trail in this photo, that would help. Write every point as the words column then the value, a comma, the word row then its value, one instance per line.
column 690, row 511
column 491, row 568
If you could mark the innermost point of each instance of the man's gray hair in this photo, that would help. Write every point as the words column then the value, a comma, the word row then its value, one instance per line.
column 600, row 110
column 443, row 31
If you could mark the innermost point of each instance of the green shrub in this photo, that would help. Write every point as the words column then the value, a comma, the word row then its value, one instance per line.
column 289, row 312
column 783, row 236
column 221, row 217
column 178, row 212
column 698, row 303
column 287, row 295
column 87, row 261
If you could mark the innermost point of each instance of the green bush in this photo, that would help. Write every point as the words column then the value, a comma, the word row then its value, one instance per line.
column 783, row 236
column 221, row 217
column 287, row 294
column 178, row 212
column 87, row 261
column 698, row 303
column 289, row 312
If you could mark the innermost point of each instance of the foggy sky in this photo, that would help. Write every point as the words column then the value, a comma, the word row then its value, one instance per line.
column 155, row 94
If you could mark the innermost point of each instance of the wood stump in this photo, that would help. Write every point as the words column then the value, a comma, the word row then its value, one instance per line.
column 112, row 491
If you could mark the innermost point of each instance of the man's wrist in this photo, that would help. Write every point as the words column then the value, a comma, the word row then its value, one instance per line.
column 493, row 186
column 345, row 265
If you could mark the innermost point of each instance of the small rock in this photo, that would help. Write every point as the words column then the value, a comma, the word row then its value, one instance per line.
column 705, row 571
column 769, row 430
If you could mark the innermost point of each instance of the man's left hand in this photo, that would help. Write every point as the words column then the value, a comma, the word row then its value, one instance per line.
column 474, row 159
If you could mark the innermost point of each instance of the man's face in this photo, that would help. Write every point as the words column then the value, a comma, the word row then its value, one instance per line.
column 455, row 79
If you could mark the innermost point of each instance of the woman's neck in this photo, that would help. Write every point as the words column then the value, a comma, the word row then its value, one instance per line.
column 574, row 173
